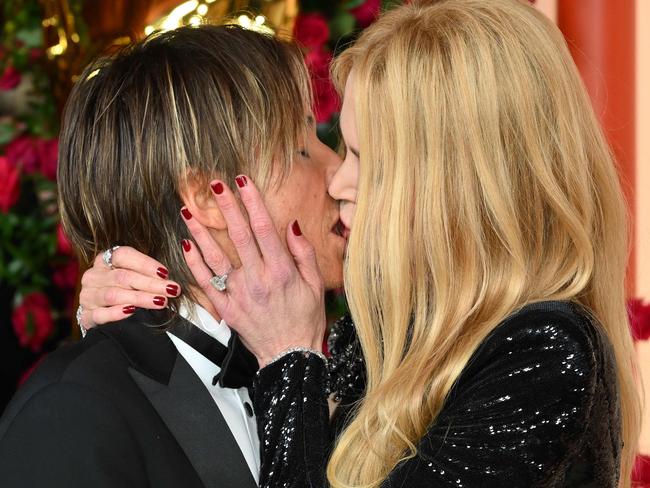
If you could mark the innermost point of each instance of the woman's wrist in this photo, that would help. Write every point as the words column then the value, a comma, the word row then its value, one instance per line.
column 267, row 360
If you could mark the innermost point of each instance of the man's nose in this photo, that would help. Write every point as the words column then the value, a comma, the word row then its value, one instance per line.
column 333, row 164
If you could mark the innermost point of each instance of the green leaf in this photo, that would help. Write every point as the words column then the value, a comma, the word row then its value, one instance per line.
column 15, row 267
column 389, row 4
column 329, row 134
column 7, row 133
column 31, row 36
column 350, row 4
column 342, row 24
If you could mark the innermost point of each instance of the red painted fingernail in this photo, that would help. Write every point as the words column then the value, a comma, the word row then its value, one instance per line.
column 217, row 188
column 241, row 181
column 172, row 290
column 295, row 228
column 186, row 213
column 186, row 245
column 162, row 272
column 158, row 301
column 128, row 310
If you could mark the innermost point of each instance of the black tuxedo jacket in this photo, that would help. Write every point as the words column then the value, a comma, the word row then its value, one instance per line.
column 119, row 409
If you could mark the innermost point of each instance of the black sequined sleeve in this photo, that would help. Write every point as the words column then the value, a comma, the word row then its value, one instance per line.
column 290, row 398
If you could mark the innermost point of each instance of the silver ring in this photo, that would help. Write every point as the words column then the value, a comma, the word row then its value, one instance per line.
column 80, row 311
column 219, row 281
column 107, row 257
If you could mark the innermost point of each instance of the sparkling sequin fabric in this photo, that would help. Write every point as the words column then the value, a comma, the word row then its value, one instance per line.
column 536, row 406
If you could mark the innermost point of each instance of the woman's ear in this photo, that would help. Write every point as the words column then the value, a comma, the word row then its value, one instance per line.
column 199, row 200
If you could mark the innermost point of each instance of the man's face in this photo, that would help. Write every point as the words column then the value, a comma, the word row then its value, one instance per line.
column 303, row 196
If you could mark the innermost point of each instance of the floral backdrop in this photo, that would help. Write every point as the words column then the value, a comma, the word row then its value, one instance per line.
column 38, row 271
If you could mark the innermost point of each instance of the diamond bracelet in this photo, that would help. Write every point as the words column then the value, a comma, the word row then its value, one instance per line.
column 297, row 349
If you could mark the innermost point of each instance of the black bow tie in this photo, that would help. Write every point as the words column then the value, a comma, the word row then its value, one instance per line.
column 238, row 365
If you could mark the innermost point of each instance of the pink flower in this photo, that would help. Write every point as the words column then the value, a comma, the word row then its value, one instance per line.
column 48, row 155
column 65, row 277
column 22, row 152
column 63, row 245
column 10, row 79
column 10, row 176
column 326, row 100
column 311, row 30
column 639, row 313
column 32, row 321
column 367, row 12
column 318, row 61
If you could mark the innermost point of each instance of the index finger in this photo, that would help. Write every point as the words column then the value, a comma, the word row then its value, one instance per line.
column 126, row 257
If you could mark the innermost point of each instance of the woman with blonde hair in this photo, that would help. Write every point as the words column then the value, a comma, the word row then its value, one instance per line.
column 485, row 272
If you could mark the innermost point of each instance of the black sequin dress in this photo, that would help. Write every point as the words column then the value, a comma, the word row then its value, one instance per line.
column 536, row 406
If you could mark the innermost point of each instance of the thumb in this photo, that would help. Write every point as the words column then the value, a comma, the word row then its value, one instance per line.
column 304, row 256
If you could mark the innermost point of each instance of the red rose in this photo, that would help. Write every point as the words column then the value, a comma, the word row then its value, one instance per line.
column 32, row 321
column 367, row 12
column 63, row 245
column 326, row 100
column 318, row 61
column 641, row 471
column 22, row 152
column 66, row 276
column 48, row 154
column 10, row 176
column 35, row 53
column 311, row 30
column 639, row 314
column 10, row 79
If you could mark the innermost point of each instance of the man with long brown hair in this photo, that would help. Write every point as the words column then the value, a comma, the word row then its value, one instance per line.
column 161, row 398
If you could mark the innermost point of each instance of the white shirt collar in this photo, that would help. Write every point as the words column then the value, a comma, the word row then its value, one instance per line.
column 200, row 317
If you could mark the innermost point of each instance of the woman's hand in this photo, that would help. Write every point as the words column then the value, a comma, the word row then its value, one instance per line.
column 275, row 301
column 108, row 295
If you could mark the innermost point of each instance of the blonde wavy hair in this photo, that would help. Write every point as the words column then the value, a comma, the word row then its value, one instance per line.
column 486, row 184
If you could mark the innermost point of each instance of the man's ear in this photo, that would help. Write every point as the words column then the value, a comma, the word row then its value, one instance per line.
column 199, row 200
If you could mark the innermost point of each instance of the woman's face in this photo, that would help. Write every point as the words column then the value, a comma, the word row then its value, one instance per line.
column 344, row 183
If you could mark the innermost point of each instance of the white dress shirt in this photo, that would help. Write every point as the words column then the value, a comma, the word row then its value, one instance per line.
column 234, row 405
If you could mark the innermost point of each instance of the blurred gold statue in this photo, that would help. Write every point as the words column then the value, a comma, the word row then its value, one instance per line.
column 112, row 23
column 272, row 16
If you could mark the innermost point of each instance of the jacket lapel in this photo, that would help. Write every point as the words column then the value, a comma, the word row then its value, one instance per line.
column 186, row 407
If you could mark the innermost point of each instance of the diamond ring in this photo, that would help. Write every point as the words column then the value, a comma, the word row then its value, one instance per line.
column 107, row 257
column 80, row 311
column 219, row 281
